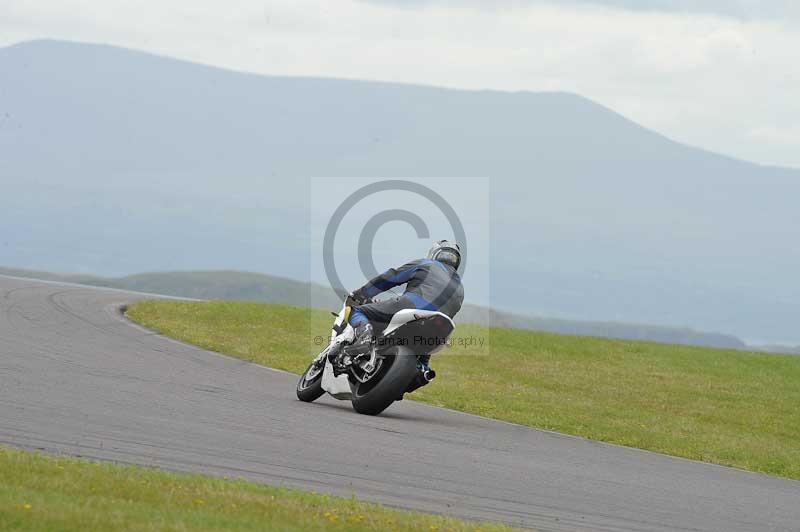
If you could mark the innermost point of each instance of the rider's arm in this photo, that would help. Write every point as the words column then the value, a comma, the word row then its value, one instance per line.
column 388, row 279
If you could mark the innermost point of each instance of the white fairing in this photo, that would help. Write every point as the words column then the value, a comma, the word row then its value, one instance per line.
column 339, row 387
column 338, row 322
column 406, row 315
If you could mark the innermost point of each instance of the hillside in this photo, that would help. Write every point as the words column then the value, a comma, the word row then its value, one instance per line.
column 116, row 161
column 232, row 285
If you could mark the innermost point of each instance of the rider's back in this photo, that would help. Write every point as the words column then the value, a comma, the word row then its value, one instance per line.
column 437, row 284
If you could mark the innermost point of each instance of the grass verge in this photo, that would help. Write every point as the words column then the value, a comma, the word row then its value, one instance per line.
column 723, row 406
column 40, row 492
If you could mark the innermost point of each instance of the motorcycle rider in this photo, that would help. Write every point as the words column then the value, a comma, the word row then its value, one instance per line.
column 432, row 283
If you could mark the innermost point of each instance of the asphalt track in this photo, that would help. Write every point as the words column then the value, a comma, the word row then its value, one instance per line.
column 76, row 377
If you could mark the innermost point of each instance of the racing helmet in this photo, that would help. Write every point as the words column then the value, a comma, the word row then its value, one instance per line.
column 446, row 252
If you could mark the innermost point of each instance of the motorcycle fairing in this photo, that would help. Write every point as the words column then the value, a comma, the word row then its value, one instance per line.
column 406, row 315
column 338, row 387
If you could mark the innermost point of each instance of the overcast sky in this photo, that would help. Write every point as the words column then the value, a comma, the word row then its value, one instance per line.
column 719, row 74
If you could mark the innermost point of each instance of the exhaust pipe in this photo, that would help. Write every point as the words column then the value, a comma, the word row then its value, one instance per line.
column 421, row 379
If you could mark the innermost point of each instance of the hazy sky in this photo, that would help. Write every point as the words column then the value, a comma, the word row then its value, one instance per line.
column 719, row 74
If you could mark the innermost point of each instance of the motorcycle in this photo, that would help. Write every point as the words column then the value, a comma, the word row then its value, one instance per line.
column 375, row 375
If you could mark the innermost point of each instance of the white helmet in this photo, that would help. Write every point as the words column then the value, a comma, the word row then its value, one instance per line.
column 446, row 252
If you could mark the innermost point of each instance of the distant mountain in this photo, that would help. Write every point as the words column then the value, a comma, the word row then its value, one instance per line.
column 115, row 161
column 231, row 285
column 271, row 289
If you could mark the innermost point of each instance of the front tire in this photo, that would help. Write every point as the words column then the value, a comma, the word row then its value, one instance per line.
column 309, row 390
column 372, row 400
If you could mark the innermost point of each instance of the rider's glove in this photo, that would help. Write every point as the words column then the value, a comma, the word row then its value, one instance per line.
column 355, row 298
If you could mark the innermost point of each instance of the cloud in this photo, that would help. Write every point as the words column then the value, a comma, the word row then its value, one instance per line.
column 789, row 136
column 740, row 9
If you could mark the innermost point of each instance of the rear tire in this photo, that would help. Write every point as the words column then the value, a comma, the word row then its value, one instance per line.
column 391, row 386
column 310, row 390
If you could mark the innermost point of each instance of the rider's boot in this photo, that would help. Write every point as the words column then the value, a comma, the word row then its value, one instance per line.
column 336, row 346
column 364, row 338
column 351, row 343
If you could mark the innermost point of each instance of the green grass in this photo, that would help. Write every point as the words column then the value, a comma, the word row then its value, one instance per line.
column 723, row 406
column 39, row 492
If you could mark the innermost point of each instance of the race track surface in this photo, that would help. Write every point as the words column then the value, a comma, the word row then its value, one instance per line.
column 77, row 378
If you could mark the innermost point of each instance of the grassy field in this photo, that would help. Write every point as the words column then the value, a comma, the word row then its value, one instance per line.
column 40, row 492
column 723, row 406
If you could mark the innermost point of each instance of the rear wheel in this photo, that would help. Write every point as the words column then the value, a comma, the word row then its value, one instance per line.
column 309, row 387
column 390, row 381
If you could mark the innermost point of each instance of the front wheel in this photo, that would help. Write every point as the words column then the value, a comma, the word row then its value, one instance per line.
column 387, row 385
column 309, row 387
